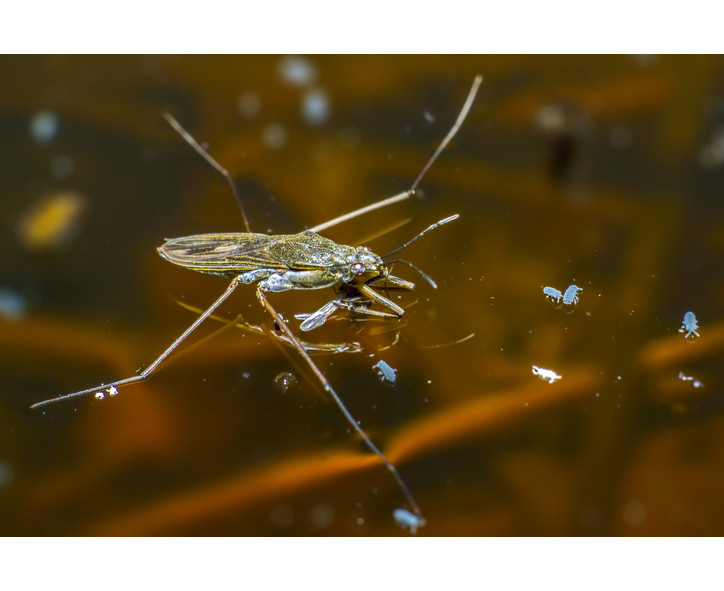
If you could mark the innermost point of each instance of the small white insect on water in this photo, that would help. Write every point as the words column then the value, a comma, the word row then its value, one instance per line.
column 689, row 325
column 385, row 371
column 569, row 298
column 546, row 374
column 407, row 519
column 554, row 294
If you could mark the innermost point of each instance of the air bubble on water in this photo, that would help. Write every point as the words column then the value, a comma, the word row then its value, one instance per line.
column 44, row 126
column 12, row 305
column 315, row 107
column 297, row 70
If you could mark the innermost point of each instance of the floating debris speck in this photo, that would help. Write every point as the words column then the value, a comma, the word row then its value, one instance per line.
column 696, row 383
column 284, row 381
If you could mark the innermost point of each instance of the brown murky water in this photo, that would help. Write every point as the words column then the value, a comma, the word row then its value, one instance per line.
column 606, row 172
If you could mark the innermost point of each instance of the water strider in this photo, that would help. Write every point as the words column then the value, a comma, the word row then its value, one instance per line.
column 296, row 261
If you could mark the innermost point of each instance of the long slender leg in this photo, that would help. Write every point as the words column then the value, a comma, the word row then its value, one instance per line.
column 411, row 191
column 206, row 156
column 358, row 212
column 318, row 318
column 146, row 373
column 350, row 419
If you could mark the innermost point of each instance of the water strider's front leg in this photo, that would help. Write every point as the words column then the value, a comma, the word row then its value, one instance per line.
column 318, row 318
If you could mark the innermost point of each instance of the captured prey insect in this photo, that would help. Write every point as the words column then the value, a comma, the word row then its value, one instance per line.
column 298, row 261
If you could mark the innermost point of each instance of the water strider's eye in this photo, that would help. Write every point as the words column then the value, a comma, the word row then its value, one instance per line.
column 358, row 269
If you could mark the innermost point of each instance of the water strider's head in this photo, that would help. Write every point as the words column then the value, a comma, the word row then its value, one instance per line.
column 364, row 265
column 361, row 265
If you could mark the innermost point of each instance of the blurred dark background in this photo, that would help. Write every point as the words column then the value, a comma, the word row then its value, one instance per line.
column 605, row 172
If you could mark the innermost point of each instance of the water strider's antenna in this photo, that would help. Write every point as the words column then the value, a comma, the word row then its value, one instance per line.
column 425, row 231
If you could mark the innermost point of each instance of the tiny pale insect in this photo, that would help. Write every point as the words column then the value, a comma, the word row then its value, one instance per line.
column 407, row 519
column 385, row 371
column 546, row 374
column 554, row 294
column 690, row 326
column 570, row 297
column 305, row 260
